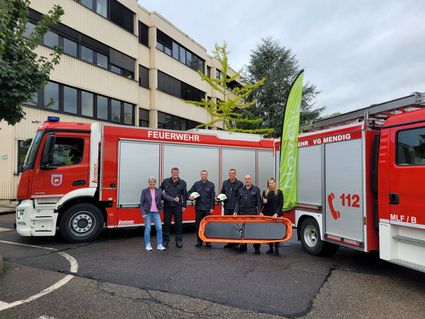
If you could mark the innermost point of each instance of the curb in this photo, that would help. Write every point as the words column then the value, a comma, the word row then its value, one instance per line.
column 1, row 265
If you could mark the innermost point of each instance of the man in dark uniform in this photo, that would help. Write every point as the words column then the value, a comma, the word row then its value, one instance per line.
column 204, row 203
column 231, row 189
column 174, row 186
column 248, row 203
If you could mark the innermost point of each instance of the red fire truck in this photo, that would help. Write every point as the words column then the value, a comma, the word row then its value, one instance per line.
column 361, row 182
column 79, row 178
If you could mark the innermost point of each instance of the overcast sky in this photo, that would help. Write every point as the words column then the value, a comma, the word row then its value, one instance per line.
column 356, row 52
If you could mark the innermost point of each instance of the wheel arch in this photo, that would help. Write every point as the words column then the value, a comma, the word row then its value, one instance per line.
column 301, row 216
column 81, row 200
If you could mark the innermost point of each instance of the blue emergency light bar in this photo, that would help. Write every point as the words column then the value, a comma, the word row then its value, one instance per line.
column 51, row 118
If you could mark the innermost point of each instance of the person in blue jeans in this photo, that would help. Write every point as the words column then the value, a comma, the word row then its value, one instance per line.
column 150, row 205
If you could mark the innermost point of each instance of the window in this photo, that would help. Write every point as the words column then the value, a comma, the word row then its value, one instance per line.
column 121, row 15
column 101, row 60
column 168, row 84
column 121, row 63
column 87, row 104
column 87, row 54
column 182, row 55
column 87, row 3
column 50, row 39
column 143, row 118
column 102, row 107
column 70, row 100
column 143, row 34
column 102, row 7
column 115, row 111
column 51, row 96
column 23, row 147
column 172, row 86
column 167, row 45
column 128, row 113
column 33, row 101
column 172, row 122
column 411, row 147
column 208, row 71
column 143, row 77
column 29, row 29
column 175, row 50
column 218, row 74
column 116, row 69
column 70, row 47
column 68, row 151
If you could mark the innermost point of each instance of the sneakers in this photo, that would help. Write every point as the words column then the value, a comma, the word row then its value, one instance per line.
column 148, row 247
column 160, row 247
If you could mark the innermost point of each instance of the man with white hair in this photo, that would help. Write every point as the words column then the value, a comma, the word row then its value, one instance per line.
column 248, row 202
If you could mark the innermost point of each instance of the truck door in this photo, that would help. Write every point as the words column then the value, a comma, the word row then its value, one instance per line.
column 344, row 190
column 406, row 175
column 67, row 168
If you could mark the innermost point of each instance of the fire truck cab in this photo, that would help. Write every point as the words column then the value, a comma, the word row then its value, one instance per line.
column 361, row 182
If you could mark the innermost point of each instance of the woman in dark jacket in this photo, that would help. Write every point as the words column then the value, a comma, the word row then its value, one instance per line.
column 272, row 206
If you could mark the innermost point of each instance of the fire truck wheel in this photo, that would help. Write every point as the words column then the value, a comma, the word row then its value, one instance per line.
column 310, row 237
column 81, row 223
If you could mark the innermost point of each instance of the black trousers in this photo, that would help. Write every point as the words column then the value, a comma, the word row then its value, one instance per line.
column 178, row 226
column 228, row 211
column 200, row 214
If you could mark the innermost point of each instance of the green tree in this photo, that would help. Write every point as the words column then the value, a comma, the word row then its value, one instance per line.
column 235, row 98
column 22, row 72
column 279, row 66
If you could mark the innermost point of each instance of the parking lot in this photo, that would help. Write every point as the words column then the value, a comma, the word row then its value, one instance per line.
column 116, row 278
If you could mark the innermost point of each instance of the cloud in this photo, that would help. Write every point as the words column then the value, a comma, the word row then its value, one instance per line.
column 356, row 52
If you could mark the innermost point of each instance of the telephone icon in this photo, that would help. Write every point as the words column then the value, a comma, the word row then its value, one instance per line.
column 335, row 213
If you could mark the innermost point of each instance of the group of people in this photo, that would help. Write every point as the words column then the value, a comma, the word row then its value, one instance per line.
column 241, row 199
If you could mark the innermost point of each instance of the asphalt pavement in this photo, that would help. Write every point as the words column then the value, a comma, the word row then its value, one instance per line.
column 117, row 278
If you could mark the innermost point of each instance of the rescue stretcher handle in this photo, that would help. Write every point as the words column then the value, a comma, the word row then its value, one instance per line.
column 244, row 219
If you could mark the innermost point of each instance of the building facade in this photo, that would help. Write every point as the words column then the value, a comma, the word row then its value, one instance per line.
column 120, row 64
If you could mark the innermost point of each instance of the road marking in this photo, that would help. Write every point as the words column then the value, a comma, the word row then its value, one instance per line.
column 4, row 229
column 73, row 269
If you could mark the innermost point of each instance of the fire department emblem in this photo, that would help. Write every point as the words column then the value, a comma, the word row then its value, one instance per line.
column 56, row 179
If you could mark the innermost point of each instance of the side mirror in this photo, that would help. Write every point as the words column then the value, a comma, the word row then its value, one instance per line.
column 47, row 156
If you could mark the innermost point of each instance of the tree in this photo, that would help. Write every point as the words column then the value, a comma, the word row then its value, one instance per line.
column 22, row 72
column 279, row 66
column 235, row 98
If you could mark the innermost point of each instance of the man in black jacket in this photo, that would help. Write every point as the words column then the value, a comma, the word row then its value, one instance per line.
column 174, row 187
column 230, row 188
column 248, row 203
column 204, row 203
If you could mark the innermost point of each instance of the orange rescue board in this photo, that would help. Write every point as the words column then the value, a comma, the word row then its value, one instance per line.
column 245, row 229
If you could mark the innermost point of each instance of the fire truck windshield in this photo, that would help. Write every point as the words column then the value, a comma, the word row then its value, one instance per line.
column 32, row 152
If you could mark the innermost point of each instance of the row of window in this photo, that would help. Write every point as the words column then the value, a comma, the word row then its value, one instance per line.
column 177, row 88
column 113, row 11
column 81, row 47
column 63, row 98
column 172, row 122
column 167, row 45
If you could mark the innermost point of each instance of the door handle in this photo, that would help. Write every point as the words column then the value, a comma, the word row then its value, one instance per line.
column 394, row 199
column 80, row 182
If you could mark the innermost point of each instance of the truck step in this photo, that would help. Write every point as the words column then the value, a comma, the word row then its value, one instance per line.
column 410, row 240
column 408, row 264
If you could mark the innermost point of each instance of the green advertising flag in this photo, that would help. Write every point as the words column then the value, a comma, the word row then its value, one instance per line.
column 289, row 144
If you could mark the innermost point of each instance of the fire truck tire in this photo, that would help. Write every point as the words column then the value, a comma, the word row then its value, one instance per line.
column 310, row 237
column 81, row 223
